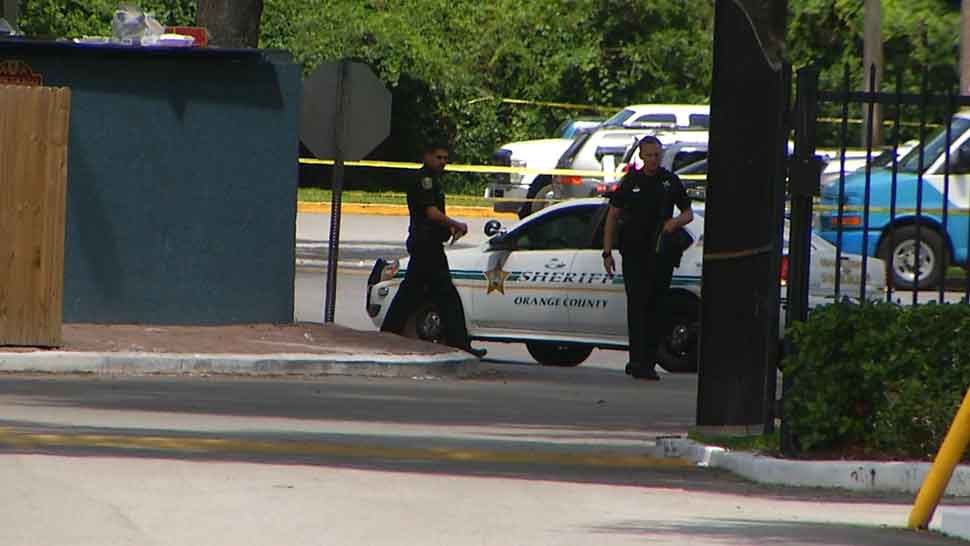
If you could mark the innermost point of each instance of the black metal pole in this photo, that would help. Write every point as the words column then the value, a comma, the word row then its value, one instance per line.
column 336, row 190
column 843, row 144
column 805, row 170
column 870, row 109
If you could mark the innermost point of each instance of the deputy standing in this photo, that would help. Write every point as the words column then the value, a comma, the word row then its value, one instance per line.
column 428, row 277
column 643, row 207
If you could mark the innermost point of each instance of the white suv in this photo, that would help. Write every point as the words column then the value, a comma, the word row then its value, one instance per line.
column 666, row 116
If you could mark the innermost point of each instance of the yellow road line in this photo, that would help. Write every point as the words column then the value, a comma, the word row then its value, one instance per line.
column 197, row 445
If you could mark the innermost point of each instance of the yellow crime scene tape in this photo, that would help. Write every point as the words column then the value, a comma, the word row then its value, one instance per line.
column 563, row 105
column 484, row 169
column 461, row 168
column 887, row 123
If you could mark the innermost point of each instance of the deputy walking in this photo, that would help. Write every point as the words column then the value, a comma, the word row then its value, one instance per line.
column 428, row 278
column 642, row 207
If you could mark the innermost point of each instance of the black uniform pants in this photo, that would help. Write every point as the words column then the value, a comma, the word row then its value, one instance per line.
column 647, row 282
column 428, row 280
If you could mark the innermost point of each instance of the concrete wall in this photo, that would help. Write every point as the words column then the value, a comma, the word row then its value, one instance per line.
column 182, row 174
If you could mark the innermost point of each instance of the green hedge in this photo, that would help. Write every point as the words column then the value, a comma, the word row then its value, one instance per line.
column 877, row 379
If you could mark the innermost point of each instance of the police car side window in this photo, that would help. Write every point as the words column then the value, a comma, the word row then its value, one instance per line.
column 571, row 229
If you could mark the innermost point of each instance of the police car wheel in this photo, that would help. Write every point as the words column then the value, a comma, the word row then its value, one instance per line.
column 425, row 324
column 678, row 347
column 933, row 258
column 549, row 353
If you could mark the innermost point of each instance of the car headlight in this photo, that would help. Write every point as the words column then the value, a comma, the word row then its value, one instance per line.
column 390, row 270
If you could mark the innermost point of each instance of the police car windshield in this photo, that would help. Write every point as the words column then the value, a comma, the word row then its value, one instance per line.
column 932, row 151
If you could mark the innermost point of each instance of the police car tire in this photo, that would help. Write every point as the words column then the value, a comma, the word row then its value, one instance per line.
column 549, row 353
column 928, row 236
column 684, row 310
column 413, row 329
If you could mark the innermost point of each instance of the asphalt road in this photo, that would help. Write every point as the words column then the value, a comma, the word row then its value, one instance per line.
column 516, row 454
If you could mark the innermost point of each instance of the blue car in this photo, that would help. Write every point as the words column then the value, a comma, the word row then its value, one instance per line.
column 941, row 243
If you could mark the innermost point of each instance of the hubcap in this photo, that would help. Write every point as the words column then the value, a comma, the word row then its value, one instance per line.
column 904, row 260
column 679, row 339
column 429, row 326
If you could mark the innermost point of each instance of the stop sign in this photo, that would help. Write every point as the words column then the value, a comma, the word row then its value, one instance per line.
column 366, row 111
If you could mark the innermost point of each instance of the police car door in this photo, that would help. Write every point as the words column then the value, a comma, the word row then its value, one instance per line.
column 597, row 303
column 527, row 275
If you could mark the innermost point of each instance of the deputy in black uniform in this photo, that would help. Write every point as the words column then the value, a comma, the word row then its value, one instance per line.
column 643, row 206
column 428, row 278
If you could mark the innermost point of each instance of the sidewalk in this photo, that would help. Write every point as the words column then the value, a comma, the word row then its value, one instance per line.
column 310, row 349
column 257, row 349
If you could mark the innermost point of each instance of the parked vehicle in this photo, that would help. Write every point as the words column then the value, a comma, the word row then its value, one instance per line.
column 602, row 150
column 510, row 190
column 542, row 283
column 571, row 127
column 662, row 116
column 920, row 199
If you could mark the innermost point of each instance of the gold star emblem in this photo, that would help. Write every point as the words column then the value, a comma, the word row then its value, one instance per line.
column 496, row 280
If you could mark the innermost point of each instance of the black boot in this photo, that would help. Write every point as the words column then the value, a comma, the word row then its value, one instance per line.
column 478, row 353
column 644, row 372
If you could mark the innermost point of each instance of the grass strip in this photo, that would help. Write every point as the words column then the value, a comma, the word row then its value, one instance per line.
column 768, row 444
column 318, row 195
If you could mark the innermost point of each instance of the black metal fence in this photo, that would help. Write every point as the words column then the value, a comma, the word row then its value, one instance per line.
column 905, row 204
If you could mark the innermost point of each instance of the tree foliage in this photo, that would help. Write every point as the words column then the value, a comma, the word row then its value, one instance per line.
column 73, row 19
column 447, row 62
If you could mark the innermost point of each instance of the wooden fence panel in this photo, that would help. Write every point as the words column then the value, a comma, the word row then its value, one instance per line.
column 34, row 124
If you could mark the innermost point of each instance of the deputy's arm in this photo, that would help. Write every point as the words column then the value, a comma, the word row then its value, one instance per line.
column 454, row 226
column 608, row 228
column 681, row 220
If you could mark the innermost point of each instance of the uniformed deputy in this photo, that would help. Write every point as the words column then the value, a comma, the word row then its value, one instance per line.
column 428, row 277
column 643, row 206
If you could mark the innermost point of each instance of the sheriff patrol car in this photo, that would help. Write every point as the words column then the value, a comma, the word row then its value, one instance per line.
column 542, row 283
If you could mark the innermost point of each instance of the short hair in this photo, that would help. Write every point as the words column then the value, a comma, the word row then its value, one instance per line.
column 650, row 139
column 436, row 145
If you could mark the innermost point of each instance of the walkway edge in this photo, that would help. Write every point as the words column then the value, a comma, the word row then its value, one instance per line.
column 451, row 364
column 869, row 476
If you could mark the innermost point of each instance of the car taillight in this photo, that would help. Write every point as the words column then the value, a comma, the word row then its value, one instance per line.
column 570, row 180
column 784, row 271
column 606, row 187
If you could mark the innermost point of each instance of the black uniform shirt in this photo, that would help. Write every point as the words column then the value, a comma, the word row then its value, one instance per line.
column 424, row 190
column 646, row 201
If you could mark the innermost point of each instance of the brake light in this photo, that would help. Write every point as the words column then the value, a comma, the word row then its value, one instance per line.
column 606, row 187
column 784, row 271
column 570, row 180
column 853, row 220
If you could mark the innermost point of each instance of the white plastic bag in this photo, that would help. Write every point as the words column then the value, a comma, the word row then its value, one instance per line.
column 131, row 25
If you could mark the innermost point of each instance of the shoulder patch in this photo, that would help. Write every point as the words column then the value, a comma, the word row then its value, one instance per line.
column 427, row 183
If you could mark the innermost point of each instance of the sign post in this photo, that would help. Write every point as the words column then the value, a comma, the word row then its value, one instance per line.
column 337, row 97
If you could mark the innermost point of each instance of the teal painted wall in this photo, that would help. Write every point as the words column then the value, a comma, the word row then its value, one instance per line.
column 182, row 175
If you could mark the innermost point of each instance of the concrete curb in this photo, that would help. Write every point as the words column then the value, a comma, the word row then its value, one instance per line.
column 952, row 521
column 869, row 476
column 866, row 476
column 309, row 207
column 451, row 364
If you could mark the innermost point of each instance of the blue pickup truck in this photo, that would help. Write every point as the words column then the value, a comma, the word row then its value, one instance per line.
column 885, row 234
